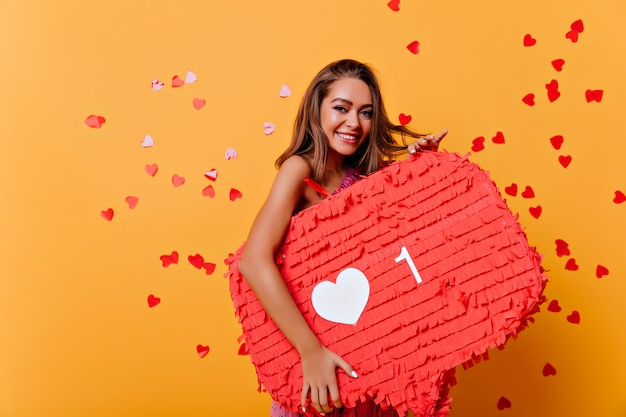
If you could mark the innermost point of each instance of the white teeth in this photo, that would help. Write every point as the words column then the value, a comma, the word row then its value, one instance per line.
column 347, row 137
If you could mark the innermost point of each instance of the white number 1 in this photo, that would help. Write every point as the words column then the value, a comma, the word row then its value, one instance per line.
column 405, row 256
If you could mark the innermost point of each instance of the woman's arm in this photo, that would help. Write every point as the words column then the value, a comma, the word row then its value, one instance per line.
column 260, row 271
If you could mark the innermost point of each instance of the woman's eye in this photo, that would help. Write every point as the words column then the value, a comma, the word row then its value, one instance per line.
column 367, row 113
column 340, row 108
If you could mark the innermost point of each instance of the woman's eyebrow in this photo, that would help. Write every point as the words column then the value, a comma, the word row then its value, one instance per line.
column 343, row 100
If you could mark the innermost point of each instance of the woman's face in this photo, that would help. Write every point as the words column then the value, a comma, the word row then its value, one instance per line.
column 346, row 115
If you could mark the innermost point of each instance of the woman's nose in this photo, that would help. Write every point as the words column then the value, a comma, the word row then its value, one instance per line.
column 353, row 119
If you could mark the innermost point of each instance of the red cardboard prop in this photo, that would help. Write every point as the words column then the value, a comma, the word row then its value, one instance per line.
column 414, row 270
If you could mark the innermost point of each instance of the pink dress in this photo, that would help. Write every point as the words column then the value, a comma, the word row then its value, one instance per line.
column 365, row 409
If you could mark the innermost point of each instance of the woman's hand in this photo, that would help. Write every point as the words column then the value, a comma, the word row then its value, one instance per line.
column 319, row 367
column 427, row 143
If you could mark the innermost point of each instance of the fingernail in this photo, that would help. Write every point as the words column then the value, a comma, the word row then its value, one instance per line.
column 303, row 409
column 354, row 374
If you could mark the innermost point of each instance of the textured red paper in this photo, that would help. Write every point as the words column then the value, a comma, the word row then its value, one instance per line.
column 481, row 283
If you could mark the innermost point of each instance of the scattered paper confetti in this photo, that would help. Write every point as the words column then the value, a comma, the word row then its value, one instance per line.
column 562, row 248
column 196, row 260
column 209, row 267
column 594, row 95
column 478, row 144
column 235, row 194
column 619, row 198
column 548, row 370
column 170, row 259
column 94, row 121
column 157, row 85
column 529, row 99
column 554, row 306
column 503, row 403
column 557, row 141
column 601, row 271
column 498, row 138
column 177, row 82
column 574, row 318
column 153, row 301
column 405, row 119
column 208, row 191
column 177, row 180
column 571, row 265
column 268, row 128
column 131, row 201
column 557, row 64
column 190, row 77
column 535, row 211
column 511, row 190
column 198, row 103
column 211, row 174
column 577, row 28
column 394, row 5
column 152, row 169
column 553, row 90
column 147, row 142
column 565, row 160
column 529, row 40
column 107, row 214
column 528, row 192
column 285, row 91
column 230, row 154
column 414, row 47
column 202, row 350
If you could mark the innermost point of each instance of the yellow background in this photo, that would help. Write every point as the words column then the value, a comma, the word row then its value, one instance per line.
column 78, row 338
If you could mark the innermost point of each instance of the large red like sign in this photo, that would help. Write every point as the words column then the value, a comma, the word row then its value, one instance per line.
column 414, row 270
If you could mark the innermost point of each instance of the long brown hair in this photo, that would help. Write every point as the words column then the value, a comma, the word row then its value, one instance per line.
column 309, row 138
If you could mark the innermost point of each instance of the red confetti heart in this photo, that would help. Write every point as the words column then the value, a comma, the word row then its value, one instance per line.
column 553, row 90
column 202, row 351
column 594, row 95
column 572, row 35
column 243, row 349
column 619, row 198
column 394, row 5
column 208, row 191
column 562, row 248
column 177, row 81
column 167, row 260
column 211, row 175
column 177, row 180
column 478, row 144
column 578, row 26
column 196, row 260
column 565, row 160
column 95, row 121
column 503, row 403
column 107, row 214
column 153, row 301
column 529, row 40
column 529, row 99
column 405, row 119
column 528, row 192
column 152, row 169
column 414, row 47
column 556, row 141
column 131, row 201
column 234, row 194
column 558, row 64
column 511, row 190
column 198, row 103
column 208, row 267
column 601, row 271
column 535, row 211
column 571, row 265
column 498, row 138
column 548, row 370
column 554, row 306
column 574, row 318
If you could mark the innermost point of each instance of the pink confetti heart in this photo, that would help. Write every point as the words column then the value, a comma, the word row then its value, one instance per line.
column 208, row 191
column 153, row 301
column 562, row 248
column 557, row 64
column 528, row 192
column 394, row 5
column 177, row 180
column 574, row 318
column 147, row 142
column 152, row 169
column 529, row 40
column 619, row 198
column 235, row 194
column 167, row 260
column 131, row 201
column 94, row 121
column 556, row 141
column 594, row 95
column 202, row 351
column 107, row 214
column 535, row 211
column 529, row 99
column 285, row 91
column 177, row 82
column 196, row 260
column 511, row 190
column 601, row 271
column 565, row 160
column 211, row 174
column 414, row 47
column 503, row 403
column 498, row 138
column 230, row 154
column 190, row 77
column 548, row 370
column 268, row 128
column 478, row 144
column 198, row 103
column 554, row 306
column 571, row 265
column 405, row 119
column 157, row 85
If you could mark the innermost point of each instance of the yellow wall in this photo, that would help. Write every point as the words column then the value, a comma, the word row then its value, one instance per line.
column 78, row 337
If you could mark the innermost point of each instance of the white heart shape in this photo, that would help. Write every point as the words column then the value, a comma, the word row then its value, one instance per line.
column 284, row 91
column 212, row 174
column 147, row 141
column 230, row 154
column 157, row 85
column 344, row 301
column 268, row 128
column 191, row 77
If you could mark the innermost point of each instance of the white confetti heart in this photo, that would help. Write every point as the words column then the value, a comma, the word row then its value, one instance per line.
column 212, row 174
column 191, row 77
column 284, row 91
column 268, row 128
column 148, row 142
column 230, row 154
column 157, row 85
column 344, row 301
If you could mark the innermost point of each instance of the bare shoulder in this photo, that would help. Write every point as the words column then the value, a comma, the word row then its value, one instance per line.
column 297, row 164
